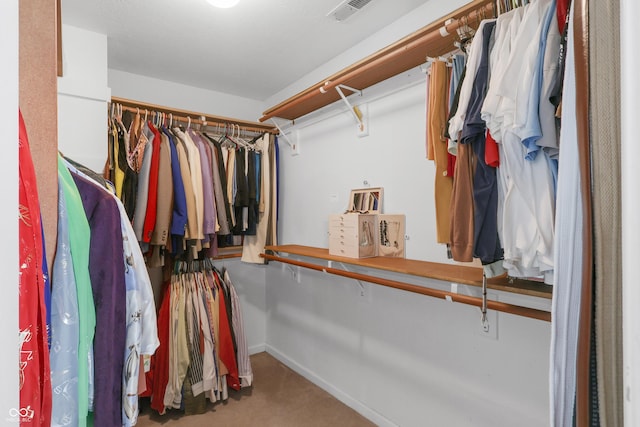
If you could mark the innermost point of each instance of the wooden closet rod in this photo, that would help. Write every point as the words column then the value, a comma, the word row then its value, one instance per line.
column 531, row 313
column 184, row 115
column 380, row 59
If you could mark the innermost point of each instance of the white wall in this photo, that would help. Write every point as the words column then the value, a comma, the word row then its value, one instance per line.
column 405, row 359
column 9, row 395
column 334, row 160
column 175, row 95
column 82, row 97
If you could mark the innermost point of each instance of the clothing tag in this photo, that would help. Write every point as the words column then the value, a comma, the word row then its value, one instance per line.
column 147, row 363
column 448, row 298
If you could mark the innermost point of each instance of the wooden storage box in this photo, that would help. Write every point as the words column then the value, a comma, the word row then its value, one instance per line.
column 366, row 200
column 390, row 232
column 353, row 235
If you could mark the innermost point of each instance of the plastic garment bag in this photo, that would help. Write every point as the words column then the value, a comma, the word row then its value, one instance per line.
column 65, row 327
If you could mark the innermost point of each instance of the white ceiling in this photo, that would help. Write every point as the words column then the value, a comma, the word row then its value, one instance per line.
column 253, row 50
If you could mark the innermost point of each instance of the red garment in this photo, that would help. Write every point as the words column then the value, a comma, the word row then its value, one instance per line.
column 35, row 371
column 152, row 201
column 562, row 9
column 451, row 165
column 227, row 353
column 491, row 153
column 158, row 376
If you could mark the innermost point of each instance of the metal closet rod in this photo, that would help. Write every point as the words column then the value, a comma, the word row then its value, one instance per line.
column 531, row 313
column 195, row 117
column 421, row 42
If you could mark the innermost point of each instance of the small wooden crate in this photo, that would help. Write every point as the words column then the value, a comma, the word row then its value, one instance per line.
column 353, row 235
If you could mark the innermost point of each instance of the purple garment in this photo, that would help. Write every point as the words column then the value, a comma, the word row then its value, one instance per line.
column 212, row 251
column 209, row 221
column 106, row 270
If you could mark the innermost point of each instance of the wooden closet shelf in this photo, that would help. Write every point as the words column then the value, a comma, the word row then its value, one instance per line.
column 446, row 272
column 433, row 40
column 229, row 252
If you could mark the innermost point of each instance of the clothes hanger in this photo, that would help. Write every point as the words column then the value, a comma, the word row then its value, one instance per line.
column 118, row 114
column 228, row 142
column 239, row 140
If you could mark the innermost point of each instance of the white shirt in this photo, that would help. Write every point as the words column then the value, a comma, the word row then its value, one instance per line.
column 473, row 62
column 505, row 34
column 526, row 186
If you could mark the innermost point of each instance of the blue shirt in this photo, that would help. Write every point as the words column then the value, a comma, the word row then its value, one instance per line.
column 65, row 326
column 179, row 216
column 532, row 130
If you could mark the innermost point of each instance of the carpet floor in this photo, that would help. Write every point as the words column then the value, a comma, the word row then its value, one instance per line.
column 279, row 397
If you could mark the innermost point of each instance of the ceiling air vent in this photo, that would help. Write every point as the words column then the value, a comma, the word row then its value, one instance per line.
column 347, row 8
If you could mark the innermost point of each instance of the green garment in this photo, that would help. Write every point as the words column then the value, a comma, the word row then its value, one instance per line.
column 79, row 239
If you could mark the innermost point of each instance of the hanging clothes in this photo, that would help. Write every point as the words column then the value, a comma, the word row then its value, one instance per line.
column 152, row 200
column 437, row 122
column 196, row 191
column 202, row 349
column 141, row 324
column 34, row 367
column 65, row 329
column 179, row 216
column 527, row 185
column 79, row 240
column 245, row 372
column 569, row 247
column 219, row 182
column 457, row 74
column 144, row 176
column 254, row 244
column 109, row 291
column 486, row 243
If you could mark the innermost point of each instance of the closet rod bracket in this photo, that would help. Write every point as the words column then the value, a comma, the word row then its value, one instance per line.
column 484, row 320
column 363, row 291
column 355, row 110
column 295, row 144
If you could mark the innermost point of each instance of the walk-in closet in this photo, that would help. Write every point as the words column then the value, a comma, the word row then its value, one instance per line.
column 323, row 213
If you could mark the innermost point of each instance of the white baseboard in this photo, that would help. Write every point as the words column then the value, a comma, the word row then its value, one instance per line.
column 354, row 404
column 258, row 348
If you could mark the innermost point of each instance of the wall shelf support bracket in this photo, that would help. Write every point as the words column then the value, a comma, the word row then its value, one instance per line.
column 355, row 110
column 294, row 145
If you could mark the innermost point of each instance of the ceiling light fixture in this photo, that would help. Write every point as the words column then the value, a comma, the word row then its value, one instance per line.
column 223, row 4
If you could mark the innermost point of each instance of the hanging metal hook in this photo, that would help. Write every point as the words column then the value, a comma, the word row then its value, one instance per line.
column 484, row 320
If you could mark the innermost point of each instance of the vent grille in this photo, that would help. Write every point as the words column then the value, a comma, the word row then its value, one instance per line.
column 347, row 8
column 358, row 4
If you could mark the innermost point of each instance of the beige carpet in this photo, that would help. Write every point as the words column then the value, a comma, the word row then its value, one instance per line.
column 278, row 398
